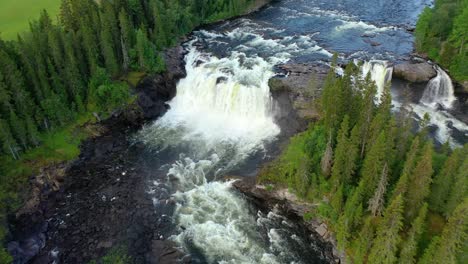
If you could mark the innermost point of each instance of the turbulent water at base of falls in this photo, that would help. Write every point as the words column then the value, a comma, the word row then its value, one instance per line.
column 439, row 91
column 380, row 72
column 221, row 116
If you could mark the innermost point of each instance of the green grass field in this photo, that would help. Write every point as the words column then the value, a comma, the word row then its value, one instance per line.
column 16, row 14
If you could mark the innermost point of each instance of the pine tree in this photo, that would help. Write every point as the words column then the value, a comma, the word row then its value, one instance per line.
column 460, row 188
column 108, row 48
column 367, row 112
column 338, row 175
column 410, row 162
column 409, row 248
column 18, row 128
column 385, row 246
column 376, row 203
column 327, row 158
column 364, row 241
column 127, row 38
column 351, row 217
column 419, row 182
column 374, row 163
column 9, row 145
column 381, row 118
column 444, row 180
column 444, row 249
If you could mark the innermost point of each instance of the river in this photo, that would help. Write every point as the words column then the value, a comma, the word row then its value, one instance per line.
column 221, row 121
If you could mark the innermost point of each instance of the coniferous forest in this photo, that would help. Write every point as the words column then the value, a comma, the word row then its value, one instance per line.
column 387, row 192
column 441, row 33
column 389, row 195
column 58, row 74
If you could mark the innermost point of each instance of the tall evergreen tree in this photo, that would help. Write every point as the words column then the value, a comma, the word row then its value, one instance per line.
column 419, row 182
column 444, row 249
column 410, row 162
column 385, row 246
column 409, row 248
column 108, row 48
column 459, row 190
column 374, row 163
column 376, row 203
column 444, row 180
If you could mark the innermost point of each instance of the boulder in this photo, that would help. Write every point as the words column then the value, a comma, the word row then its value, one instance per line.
column 414, row 72
column 465, row 86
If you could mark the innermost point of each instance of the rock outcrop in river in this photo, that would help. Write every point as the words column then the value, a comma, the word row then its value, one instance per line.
column 414, row 72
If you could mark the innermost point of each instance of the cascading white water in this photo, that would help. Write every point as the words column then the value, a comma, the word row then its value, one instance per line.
column 439, row 91
column 222, row 115
column 381, row 73
column 222, row 102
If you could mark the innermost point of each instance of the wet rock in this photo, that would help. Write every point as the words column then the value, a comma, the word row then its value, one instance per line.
column 154, row 91
column 69, row 196
column 291, row 207
column 165, row 252
column 414, row 72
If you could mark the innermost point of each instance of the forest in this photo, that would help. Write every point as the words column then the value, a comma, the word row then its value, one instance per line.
column 388, row 194
column 57, row 75
column 442, row 34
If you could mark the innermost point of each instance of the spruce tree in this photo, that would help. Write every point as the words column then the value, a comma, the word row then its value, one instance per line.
column 108, row 48
column 376, row 203
column 385, row 246
column 364, row 241
column 9, row 145
column 373, row 165
column 419, row 182
column 444, row 180
column 127, row 38
column 444, row 249
column 367, row 112
column 459, row 190
column 410, row 162
column 409, row 249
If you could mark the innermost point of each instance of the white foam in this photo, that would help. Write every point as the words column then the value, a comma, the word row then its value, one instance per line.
column 216, row 221
column 368, row 28
column 439, row 90
column 381, row 73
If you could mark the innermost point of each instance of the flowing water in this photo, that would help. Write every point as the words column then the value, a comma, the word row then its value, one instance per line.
column 221, row 121
column 439, row 91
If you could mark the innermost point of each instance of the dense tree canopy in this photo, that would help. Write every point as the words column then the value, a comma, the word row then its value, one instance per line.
column 387, row 184
column 442, row 33
column 56, row 73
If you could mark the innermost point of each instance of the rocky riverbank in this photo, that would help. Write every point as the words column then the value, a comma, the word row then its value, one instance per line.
column 289, row 205
column 76, row 212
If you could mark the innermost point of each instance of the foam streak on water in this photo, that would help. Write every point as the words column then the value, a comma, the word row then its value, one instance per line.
column 221, row 116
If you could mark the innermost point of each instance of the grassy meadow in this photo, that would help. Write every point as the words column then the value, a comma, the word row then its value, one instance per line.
column 16, row 14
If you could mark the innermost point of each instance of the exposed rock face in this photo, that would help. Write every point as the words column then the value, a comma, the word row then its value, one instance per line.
column 414, row 72
column 293, row 208
column 154, row 91
column 303, row 84
column 77, row 212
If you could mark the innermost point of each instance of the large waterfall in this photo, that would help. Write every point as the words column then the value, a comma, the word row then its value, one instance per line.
column 439, row 90
column 221, row 117
column 380, row 72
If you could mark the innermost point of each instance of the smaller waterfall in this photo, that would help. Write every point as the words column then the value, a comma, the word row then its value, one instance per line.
column 381, row 73
column 439, row 90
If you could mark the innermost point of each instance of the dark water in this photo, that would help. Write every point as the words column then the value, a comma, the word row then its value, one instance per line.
column 307, row 30
column 221, row 123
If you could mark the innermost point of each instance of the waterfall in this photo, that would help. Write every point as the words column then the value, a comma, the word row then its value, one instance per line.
column 439, row 91
column 221, row 116
column 381, row 73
